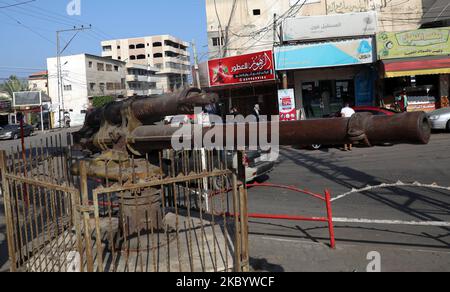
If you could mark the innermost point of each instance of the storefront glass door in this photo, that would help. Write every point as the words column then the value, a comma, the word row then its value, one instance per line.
column 326, row 98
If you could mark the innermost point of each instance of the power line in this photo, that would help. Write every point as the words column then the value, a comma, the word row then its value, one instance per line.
column 17, row 4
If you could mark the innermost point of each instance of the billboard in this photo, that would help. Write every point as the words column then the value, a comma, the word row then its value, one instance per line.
column 415, row 43
column 5, row 105
column 27, row 99
column 254, row 67
column 331, row 26
column 286, row 102
column 321, row 55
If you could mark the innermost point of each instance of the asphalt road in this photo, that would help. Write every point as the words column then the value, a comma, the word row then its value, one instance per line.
column 299, row 246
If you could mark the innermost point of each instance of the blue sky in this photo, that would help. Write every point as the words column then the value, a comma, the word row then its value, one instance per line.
column 25, row 47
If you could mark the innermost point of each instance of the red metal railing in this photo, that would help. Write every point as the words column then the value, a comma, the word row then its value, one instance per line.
column 327, row 199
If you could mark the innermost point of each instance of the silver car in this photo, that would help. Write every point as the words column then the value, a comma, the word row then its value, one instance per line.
column 440, row 119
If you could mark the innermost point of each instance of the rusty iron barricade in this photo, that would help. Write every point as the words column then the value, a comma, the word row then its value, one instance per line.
column 39, row 201
column 148, row 218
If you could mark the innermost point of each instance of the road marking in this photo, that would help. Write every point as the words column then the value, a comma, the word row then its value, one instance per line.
column 384, row 185
column 392, row 222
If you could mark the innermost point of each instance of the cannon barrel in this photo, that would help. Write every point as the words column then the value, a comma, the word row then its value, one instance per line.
column 410, row 128
column 122, row 117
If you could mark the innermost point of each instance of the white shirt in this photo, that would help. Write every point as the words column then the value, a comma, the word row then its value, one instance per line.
column 347, row 112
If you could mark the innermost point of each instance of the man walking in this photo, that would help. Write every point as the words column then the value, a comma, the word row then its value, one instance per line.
column 347, row 112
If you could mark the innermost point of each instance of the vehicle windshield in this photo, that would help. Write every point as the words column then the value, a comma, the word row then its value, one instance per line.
column 9, row 127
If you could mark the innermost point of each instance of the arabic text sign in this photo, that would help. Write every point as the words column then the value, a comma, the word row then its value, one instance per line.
column 286, row 101
column 320, row 55
column 27, row 99
column 321, row 27
column 416, row 43
column 242, row 69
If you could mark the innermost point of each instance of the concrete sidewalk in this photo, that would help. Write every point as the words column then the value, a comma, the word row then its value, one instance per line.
column 274, row 254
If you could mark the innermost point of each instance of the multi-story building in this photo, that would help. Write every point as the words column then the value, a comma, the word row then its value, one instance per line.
column 167, row 53
column 240, row 27
column 143, row 80
column 84, row 77
column 38, row 82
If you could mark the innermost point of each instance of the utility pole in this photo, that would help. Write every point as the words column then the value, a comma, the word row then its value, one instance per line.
column 58, row 64
column 196, row 68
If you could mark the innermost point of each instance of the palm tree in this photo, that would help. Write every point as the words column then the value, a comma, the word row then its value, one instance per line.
column 13, row 84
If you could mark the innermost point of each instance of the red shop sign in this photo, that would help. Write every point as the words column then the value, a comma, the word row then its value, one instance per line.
column 242, row 69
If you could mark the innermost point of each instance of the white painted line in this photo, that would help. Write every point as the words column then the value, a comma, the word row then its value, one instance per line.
column 392, row 222
column 384, row 185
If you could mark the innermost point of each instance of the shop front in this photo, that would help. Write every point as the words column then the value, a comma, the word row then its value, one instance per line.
column 243, row 81
column 327, row 75
column 415, row 65
column 5, row 112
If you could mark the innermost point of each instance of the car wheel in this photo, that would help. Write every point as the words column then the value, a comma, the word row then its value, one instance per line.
column 316, row 146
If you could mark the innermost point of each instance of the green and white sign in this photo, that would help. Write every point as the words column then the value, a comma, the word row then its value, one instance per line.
column 416, row 43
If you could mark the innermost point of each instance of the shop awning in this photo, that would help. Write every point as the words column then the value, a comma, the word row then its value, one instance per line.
column 416, row 66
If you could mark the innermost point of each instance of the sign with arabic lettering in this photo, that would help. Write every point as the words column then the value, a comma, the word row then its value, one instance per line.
column 242, row 69
column 416, row 43
column 331, row 26
column 329, row 54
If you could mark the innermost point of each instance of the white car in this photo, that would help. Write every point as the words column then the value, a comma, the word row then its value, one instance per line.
column 440, row 119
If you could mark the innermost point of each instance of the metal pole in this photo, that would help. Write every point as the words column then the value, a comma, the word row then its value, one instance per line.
column 58, row 64
column 196, row 68
column 42, row 112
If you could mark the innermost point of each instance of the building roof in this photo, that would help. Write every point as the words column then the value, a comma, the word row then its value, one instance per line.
column 39, row 75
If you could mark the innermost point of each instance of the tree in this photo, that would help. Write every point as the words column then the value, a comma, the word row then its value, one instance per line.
column 13, row 84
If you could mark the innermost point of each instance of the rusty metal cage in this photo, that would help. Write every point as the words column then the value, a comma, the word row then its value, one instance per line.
column 167, row 211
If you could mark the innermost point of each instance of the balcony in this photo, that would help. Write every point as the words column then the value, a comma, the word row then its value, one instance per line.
column 137, row 78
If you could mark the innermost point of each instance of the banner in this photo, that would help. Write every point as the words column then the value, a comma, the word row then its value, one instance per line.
column 415, row 43
column 321, row 55
column 242, row 69
column 286, row 101
column 330, row 26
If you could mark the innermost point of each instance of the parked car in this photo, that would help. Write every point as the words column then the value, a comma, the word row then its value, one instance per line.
column 376, row 111
column 13, row 132
column 440, row 119
column 256, row 163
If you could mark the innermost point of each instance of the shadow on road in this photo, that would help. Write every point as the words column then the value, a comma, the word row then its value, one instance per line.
column 262, row 265
column 402, row 199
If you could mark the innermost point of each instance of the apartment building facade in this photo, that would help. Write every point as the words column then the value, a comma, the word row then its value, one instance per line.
column 38, row 82
column 168, row 54
column 241, row 27
column 143, row 80
column 84, row 77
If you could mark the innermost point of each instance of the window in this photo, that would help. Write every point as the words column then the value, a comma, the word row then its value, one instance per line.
column 116, row 68
column 157, row 44
column 100, row 67
column 92, row 86
column 118, row 47
column 109, row 67
column 158, row 55
column 132, row 57
column 109, row 86
column 120, row 58
column 141, row 57
column 215, row 42
column 90, row 64
column 107, row 49
column 132, row 47
column 256, row 12
column 140, row 46
column 67, row 87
